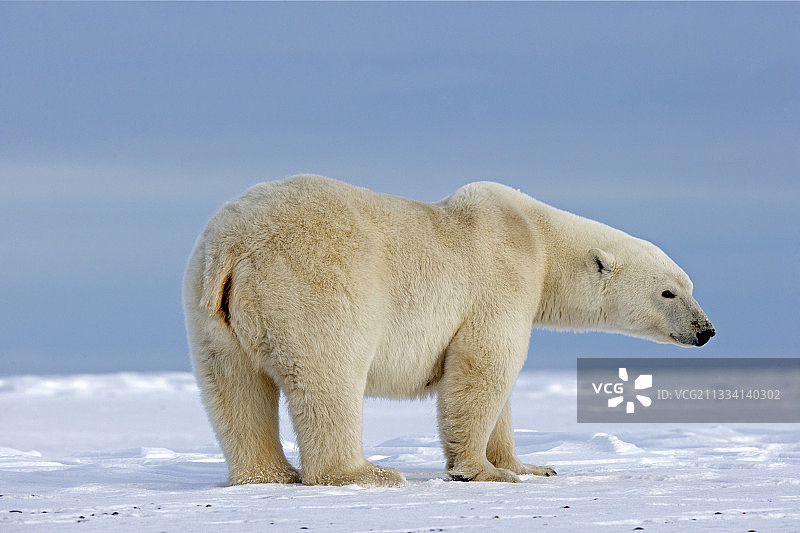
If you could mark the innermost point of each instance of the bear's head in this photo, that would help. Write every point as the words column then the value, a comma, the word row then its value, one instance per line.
column 643, row 293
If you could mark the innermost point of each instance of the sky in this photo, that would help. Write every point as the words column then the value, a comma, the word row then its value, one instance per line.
column 124, row 126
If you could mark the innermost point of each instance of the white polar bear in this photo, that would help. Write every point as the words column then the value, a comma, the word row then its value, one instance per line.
column 329, row 292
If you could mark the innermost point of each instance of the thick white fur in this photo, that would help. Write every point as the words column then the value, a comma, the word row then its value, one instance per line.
column 328, row 292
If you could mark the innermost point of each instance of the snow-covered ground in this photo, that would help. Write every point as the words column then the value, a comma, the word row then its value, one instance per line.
column 134, row 452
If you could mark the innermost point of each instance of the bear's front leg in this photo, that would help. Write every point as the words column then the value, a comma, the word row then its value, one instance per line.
column 500, row 449
column 477, row 381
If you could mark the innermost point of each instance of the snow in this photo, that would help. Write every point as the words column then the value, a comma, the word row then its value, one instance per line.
column 134, row 452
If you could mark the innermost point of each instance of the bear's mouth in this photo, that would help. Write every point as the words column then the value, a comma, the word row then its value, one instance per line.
column 698, row 339
column 682, row 340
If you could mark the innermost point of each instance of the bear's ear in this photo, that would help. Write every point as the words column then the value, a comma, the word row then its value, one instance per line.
column 600, row 261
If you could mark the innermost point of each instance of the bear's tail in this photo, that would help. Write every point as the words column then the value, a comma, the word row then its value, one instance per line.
column 217, row 282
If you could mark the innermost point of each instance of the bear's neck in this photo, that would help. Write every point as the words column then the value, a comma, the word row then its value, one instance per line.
column 568, row 239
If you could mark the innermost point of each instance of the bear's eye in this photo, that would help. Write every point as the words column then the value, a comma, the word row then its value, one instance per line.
column 667, row 294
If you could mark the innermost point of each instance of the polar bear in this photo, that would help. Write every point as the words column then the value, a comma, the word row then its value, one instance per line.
column 328, row 292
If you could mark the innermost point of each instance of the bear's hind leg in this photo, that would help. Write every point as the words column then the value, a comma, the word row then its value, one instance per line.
column 243, row 406
column 326, row 406
column 500, row 449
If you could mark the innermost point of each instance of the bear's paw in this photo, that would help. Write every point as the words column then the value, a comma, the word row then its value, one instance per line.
column 369, row 475
column 264, row 474
column 485, row 473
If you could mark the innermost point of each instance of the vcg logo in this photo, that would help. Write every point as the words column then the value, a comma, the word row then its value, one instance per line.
column 644, row 381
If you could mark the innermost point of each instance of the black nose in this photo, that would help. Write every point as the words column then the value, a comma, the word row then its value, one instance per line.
column 704, row 336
